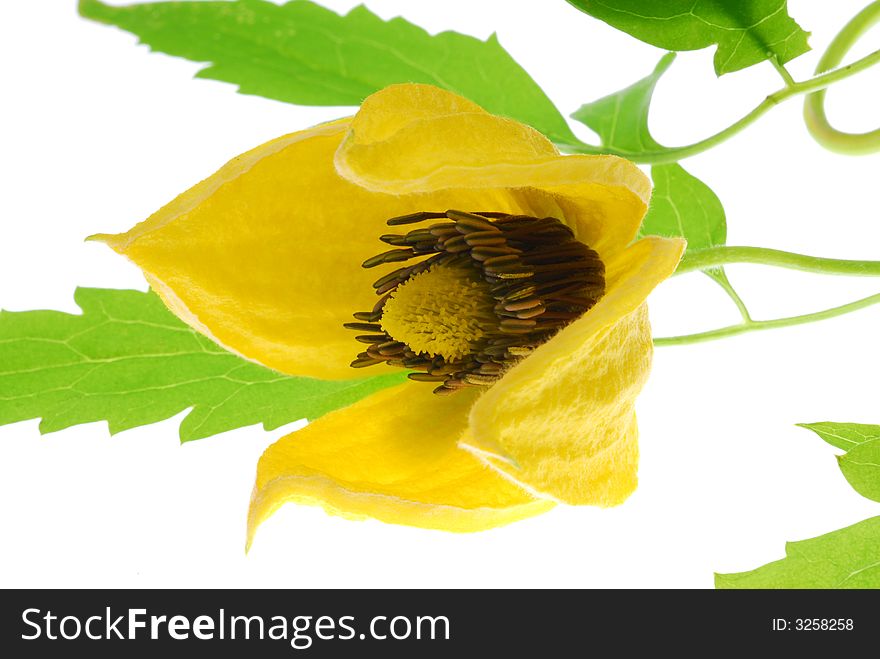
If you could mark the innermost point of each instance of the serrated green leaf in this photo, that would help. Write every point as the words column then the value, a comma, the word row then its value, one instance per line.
column 128, row 361
column 746, row 31
column 861, row 464
column 302, row 53
column 844, row 435
column 847, row 558
column 861, row 467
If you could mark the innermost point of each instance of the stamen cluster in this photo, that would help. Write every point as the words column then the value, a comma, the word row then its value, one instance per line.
column 534, row 276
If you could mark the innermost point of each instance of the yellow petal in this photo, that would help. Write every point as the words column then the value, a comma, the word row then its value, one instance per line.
column 382, row 114
column 451, row 143
column 239, row 255
column 393, row 457
column 562, row 421
column 265, row 255
column 378, row 146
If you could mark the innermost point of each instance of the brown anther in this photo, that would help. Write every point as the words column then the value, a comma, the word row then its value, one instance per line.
column 531, row 313
column 377, row 308
column 471, row 221
column 501, row 260
column 390, row 285
column 368, row 316
column 519, row 293
column 443, row 230
column 426, row 377
column 394, row 239
column 412, row 218
column 371, row 338
column 366, row 361
column 363, row 327
column 456, row 383
column 514, row 273
column 419, row 234
column 478, row 235
column 498, row 215
column 455, row 244
column 388, row 257
column 425, row 247
column 516, row 325
column 391, row 348
column 528, row 303
column 476, row 378
column 488, row 241
column 445, row 369
column 493, row 251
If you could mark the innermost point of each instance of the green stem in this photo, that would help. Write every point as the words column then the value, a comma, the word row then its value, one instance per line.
column 783, row 72
column 814, row 105
column 757, row 325
column 713, row 257
column 674, row 154
column 720, row 277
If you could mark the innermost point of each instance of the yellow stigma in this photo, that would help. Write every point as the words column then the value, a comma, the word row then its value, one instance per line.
column 442, row 311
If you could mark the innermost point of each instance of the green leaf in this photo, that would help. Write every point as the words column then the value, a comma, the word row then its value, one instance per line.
column 621, row 119
column 847, row 558
column 843, row 435
column 129, row 361
column 746, row 31
column 682, row 205
column 305, row 54
column 861, row 466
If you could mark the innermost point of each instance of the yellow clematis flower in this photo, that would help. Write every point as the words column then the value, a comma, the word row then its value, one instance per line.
column 527, row 306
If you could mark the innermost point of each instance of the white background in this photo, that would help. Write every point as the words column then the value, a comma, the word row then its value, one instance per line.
column 97, row 133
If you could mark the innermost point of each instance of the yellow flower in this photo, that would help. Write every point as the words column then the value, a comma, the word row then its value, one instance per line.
column 265, row 258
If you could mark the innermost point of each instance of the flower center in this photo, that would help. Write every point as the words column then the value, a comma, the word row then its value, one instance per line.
column 493, row 287
column 443, row 311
